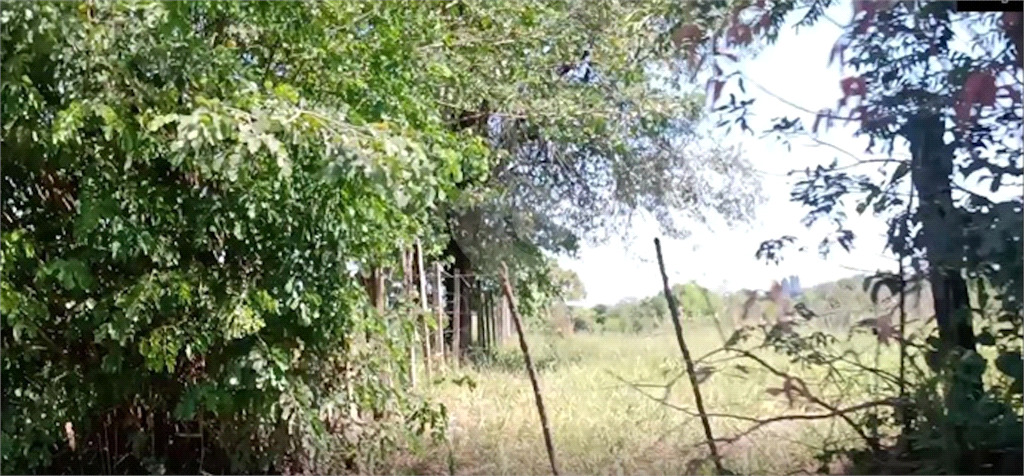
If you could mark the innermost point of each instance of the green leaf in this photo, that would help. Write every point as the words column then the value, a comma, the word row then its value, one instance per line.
column 160, row 121
column 986, row 338
column 1011, row 365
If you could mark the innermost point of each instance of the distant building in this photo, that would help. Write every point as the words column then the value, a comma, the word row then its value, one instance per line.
column 791, row 287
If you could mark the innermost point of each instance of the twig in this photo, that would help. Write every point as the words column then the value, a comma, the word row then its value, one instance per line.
column 872, row 442
column 529, row 368
column 674, row 311
column 759, row 422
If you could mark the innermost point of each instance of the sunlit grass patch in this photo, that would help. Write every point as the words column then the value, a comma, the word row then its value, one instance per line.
column 611, row 411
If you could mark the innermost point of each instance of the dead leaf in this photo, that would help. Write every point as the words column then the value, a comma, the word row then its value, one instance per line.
column 687, row 34
column 853, row 86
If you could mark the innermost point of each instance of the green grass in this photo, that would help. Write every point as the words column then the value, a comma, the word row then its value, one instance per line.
column 603, row 423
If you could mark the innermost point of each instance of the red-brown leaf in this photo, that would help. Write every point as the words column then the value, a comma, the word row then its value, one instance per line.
column 763, row 23
column 869, row 7
column 740, row 34
column 979, row 88
column 687, row 34
column 852, row 86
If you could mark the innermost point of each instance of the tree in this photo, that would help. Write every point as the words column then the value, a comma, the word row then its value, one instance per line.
column 896, row 93
column 582, row 135
column 185, row 186
column 600, row 314
column 695, row 300
column 947, row 83
column 569, row 284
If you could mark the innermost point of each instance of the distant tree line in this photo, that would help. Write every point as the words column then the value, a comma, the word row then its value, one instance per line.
column 836, row 304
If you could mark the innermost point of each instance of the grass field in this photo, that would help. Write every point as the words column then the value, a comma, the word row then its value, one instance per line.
column 601, row 394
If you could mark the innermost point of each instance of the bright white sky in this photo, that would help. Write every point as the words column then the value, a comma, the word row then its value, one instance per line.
column 796, row 69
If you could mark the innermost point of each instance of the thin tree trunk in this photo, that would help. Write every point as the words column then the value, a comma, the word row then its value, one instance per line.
column 457, row 322
column 407, row 285
column 690, row 371
column 424, row 310
column 439, row 308
column 548, row 443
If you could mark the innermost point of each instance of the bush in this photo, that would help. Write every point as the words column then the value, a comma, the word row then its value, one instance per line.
column 176, row 286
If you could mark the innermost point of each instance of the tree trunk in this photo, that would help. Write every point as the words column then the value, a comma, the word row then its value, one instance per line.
column 465, row 268
column 932, row 166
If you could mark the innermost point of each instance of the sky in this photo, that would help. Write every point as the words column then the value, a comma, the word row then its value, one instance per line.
column 794, row 69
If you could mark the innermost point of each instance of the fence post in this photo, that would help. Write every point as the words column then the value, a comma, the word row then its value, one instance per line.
column 490, row 311
column 485, row 316
column 498, row 300
column 457, row 321
column 421, row 320
column 407, row 284
column 439, row 309
column 474, row 316
column 506, row 309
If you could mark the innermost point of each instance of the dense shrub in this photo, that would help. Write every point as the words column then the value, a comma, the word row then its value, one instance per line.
column 177, row 291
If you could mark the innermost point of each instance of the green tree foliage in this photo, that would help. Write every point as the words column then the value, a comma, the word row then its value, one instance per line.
column 569, row 284
column 695, row 300
column 184, row 188
column 188, row 187
column 650, row 313
column 583, row 136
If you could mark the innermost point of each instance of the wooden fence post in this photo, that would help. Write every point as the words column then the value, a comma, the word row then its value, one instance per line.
column 490, row 320
column 485, row 312
column 698, row 400
column 407, row 283
column 493, row 337
column 500, row 317
column 530, row 371
column 507, row 316
column 424, row 310
column 457, row 321
column 474, row 316
column 439, row 309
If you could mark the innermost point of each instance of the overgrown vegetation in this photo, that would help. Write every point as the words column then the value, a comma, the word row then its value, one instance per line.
column 193, row 191
column 194, row 194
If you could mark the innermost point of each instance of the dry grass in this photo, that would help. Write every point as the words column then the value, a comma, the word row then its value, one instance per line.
column 603, row 423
